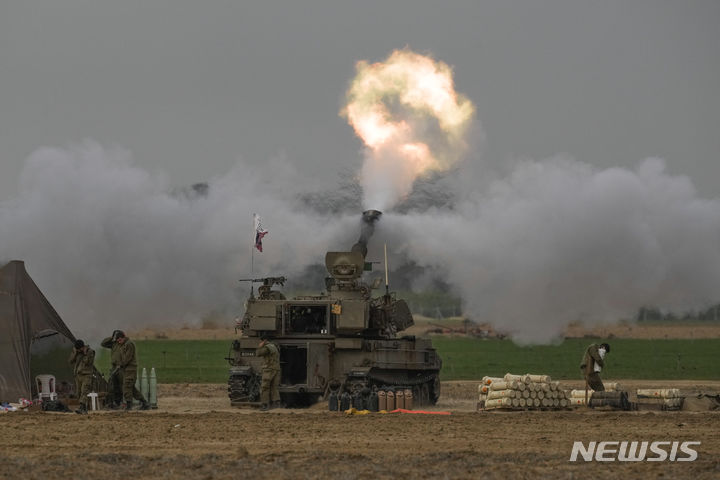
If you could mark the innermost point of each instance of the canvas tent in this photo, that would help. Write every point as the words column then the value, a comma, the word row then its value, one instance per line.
column 33, row 337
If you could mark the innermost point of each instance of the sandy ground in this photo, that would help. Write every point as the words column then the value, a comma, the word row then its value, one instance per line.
column 196, row 434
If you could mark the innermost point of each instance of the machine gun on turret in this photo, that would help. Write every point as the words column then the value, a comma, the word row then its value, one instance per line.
column 265, row 291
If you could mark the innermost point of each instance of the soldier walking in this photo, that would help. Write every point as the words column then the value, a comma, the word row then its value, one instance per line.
column 82, row 359
column 269, row 391
column 592, row 364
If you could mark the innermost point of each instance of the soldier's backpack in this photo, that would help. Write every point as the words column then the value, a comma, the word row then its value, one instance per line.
column 54, row 406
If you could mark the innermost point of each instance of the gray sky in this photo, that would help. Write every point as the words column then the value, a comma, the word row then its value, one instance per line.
column 191, row 87
column 590, row 189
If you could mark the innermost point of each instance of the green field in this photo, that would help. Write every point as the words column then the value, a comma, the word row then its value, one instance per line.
column 202, row 361
column 179, row 361
column 467, row 358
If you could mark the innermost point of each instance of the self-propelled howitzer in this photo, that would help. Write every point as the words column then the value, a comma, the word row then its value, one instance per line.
column 343, row 340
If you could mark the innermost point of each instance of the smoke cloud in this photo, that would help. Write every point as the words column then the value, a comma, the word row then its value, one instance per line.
column 551, row 242
column 113, row 246
column 559, row 241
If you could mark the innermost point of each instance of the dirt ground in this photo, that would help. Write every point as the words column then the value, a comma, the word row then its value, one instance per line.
column 196, row 434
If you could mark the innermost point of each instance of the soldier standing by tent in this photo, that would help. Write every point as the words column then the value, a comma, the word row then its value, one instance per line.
column 270, row 373
column 82, row 359
column 592, row 363
column 124, row 361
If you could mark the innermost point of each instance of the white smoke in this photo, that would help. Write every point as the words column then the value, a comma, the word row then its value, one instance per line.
column 111, row 247
column 554, row 242
column 559, row 241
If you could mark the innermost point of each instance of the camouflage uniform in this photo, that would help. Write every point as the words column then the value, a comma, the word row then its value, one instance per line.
column 270, row 374
column 115, row 380
column 588, row 367
column 127, row 362
column 83, row 365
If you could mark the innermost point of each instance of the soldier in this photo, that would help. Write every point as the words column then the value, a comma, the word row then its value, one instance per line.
column 592, row 363
column 82, row 359
column 270, row 373
column 114, row 381
column 126, row 365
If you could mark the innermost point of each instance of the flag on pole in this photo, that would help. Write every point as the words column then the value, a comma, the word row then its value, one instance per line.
column 259, row 232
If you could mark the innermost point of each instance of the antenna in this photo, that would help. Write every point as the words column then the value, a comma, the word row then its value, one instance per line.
column 387, row 288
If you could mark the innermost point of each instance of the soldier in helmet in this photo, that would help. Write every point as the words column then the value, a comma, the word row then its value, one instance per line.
column 270, row 373
column 82, row 360
column 592, row 364
column 124, row 359
column 114, row 381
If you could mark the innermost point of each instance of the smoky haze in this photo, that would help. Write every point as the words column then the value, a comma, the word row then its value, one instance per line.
column 114, row 246
column 552, row 242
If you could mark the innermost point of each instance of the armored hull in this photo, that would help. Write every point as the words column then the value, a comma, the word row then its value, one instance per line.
column 341, row 341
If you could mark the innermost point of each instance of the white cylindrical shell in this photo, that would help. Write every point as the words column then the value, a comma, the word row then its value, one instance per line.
column 613, row 387
column 540, row 394
column 152, row 388
column 577, row 400
column 539, row 378
column 494, row 394
column 526, row 393
column 522, row 403
column 536, row 402
column 489, row 380
column 504, row 385
column 564, row 402
column 581, row 393
column 533, row 394
column 518, row 378
column 499, row 403
column 532, row 387
column 144, row 384
column 545, row 387
column 658, row 393
column 483, row 388
column 555, row 402
column 554, row 386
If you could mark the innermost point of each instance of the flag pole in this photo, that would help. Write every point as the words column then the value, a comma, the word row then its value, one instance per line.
column 252, row 247
column 387, row 282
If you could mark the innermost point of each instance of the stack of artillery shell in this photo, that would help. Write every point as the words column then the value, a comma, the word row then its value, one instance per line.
column 520, row 392
column 615, row 399
column 484, row 389
column 577, row 397
column 667, row 398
